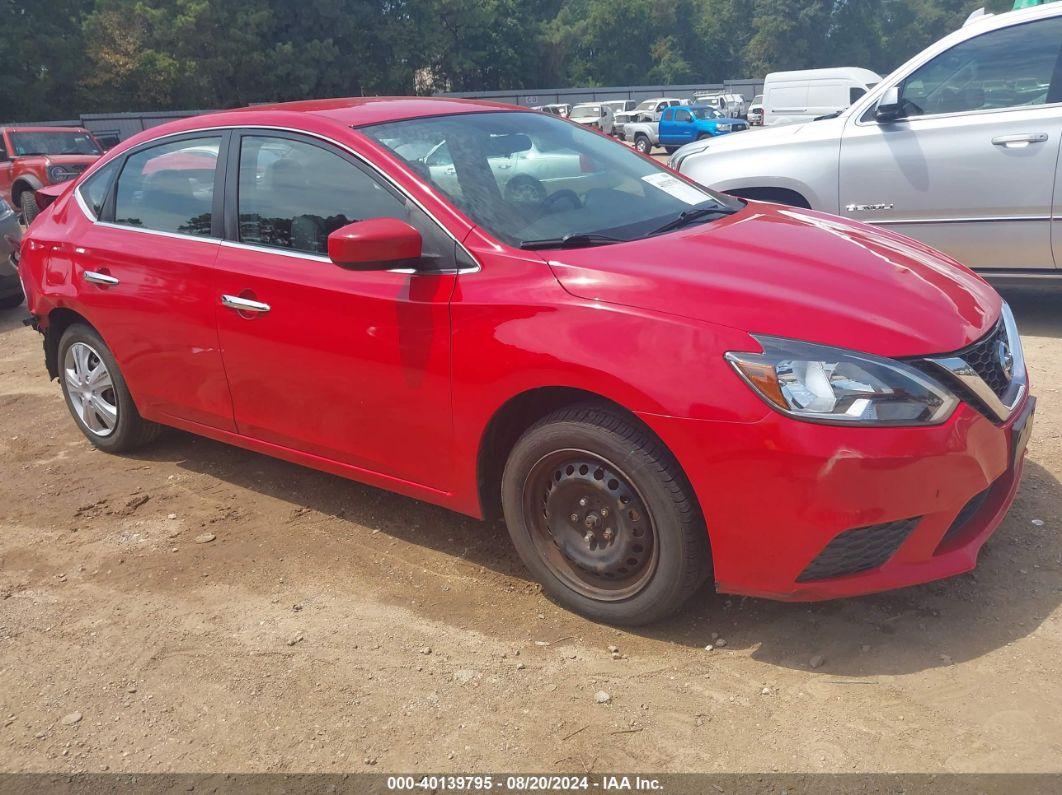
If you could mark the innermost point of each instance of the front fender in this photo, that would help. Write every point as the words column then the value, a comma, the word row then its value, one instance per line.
column 806, row 165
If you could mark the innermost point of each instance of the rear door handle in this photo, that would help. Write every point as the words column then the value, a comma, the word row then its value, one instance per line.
column 243, row 304
column 1019, row 141
column 100, row 278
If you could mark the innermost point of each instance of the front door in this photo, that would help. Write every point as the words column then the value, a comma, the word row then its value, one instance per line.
column 970, row 168
column 351, row 366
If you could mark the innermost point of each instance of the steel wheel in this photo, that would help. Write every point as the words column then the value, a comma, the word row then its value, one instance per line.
column 91, row 389
column 590, row 525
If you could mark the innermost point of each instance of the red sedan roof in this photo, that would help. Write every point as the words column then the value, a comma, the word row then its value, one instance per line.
column 357, row 111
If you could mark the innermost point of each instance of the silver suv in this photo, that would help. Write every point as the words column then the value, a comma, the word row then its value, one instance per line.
column 958, row 148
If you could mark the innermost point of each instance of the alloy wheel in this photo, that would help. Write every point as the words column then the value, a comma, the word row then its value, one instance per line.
column 90, row 389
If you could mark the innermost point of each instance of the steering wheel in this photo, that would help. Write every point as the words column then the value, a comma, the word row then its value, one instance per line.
column 525, row 189
column 561, row 196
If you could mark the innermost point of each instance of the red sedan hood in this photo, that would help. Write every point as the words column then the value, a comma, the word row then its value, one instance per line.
column 794, row 273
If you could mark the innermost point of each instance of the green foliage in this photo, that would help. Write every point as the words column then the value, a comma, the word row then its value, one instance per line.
column 62, row 57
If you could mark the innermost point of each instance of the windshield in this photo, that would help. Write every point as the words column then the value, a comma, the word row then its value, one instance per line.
column 649, row 104
column 52, row 143
column 586, row 112
column 526, row 177
column 706, row 113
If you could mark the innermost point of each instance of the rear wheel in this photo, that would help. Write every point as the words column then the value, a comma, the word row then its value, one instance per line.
column 643, row 144
column 96, row 393
column 28, row 202
column 603, row 517
column 671, row 149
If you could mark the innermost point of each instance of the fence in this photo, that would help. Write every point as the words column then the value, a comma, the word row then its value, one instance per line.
column 111, row 128
column 748, row 88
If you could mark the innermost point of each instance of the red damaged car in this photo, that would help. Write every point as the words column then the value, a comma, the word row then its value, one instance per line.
column 483, row 307
column 35, row 157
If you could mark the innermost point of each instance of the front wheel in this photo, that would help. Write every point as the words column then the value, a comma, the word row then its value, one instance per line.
column 643, row 144
column 97, row 395
column 602, row 515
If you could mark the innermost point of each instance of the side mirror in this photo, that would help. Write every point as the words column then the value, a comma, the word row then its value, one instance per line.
column 375, row 244
column 889, row 107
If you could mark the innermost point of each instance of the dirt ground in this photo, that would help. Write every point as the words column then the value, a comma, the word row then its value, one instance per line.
column 334, row 627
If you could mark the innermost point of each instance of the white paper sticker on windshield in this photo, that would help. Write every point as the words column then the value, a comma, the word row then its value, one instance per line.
column 677, row 188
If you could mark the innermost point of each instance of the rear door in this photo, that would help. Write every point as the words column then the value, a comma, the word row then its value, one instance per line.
column 144, row 272
column 350, row 366
column 970, row 169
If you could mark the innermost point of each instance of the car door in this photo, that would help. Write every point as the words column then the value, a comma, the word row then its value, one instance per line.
column 350, row 366
column 970, row 167
column 143, row 268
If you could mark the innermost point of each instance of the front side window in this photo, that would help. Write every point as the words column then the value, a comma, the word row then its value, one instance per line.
column 854, row 93
column 169, row 188
column 47, row 142
column 706, row 113
column 683, row 115
column 1007, row 68
column 527, row 177
column 95, row 189
column 294, row 194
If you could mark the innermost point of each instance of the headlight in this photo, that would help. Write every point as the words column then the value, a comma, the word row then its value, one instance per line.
column 61, row 173
column 724, row 127
column 832, row 385
column 5, row 209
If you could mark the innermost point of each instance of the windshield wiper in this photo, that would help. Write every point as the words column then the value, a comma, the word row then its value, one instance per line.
column 573, row 240
column 689, row 216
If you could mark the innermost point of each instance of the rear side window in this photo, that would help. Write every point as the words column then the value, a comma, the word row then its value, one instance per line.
column 294, row 194
column 95, row 189
column 169, row 188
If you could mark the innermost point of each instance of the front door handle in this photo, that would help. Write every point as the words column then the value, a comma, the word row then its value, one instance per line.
column 100, row 278
column 1019, row 141
column 243, row 304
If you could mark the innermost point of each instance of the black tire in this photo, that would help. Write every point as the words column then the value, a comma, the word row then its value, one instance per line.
column 672, row 534
column 643, row 144
column 671, row 149
column 130, row 430
column 703, row 136
column 28, row 202
column 12, row 301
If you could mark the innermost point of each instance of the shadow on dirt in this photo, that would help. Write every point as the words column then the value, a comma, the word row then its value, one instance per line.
column 1038, row 312
column 1016, row 586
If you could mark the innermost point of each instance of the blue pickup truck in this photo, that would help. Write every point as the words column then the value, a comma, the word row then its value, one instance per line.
column 684, row 123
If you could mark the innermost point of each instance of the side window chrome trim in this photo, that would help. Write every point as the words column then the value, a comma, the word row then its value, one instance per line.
column 361, row 158
column 159, row 232
column 84, row 207
column 287, row 252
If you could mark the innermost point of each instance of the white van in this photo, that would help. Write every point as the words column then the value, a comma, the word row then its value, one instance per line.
column 791, row 97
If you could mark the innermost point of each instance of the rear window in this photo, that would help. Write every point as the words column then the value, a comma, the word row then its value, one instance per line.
column 95, row 189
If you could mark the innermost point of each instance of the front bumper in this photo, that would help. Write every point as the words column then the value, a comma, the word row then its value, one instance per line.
column 777, row 492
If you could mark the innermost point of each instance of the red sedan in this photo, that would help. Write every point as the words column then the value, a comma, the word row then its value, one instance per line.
column 485, row 307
